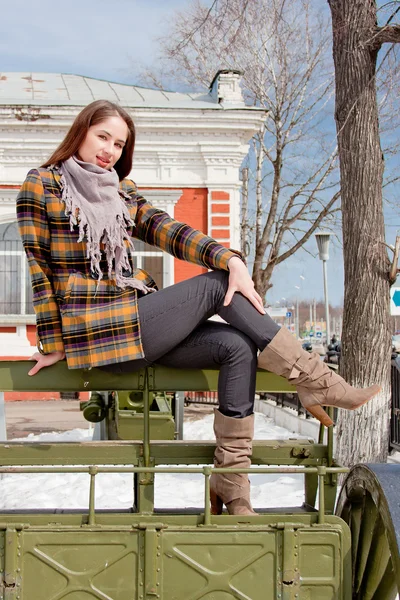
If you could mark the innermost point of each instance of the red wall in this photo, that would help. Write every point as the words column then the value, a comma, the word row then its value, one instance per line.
column 191, row 208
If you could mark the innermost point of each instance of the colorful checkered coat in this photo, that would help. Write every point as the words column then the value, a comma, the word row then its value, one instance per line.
column 95, row 323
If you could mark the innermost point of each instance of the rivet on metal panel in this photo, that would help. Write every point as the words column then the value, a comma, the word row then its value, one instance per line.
column 151, row 378
column 142, row 374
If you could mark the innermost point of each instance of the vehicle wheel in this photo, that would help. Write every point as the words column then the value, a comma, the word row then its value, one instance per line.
column 369, row 502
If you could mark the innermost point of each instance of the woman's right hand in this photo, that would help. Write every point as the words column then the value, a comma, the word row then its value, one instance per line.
column 45, row 360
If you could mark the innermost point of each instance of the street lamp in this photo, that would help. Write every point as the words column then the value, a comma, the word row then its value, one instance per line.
column 323, row 250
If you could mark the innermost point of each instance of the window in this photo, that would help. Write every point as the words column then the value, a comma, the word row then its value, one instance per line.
column 15, row 287
column 151, row 260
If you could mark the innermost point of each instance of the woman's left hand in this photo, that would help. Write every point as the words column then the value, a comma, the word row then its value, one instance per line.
column 240, row 281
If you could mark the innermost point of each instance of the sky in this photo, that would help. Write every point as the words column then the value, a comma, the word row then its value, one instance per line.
column 114, row 41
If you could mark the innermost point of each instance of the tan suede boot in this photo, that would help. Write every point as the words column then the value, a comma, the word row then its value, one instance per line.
column 316, row 384
column 234, row 446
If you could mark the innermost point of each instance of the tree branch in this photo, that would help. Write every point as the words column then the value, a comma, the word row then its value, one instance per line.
column 389, row 34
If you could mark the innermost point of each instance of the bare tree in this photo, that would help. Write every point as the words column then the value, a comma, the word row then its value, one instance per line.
column 357, row 40
column 281, row 48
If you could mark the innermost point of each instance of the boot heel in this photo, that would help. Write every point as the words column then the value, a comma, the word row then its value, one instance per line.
column 216, row 503
column 318, row 412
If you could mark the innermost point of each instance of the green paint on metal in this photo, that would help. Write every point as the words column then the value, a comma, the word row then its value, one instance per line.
column 283, row 553
column 14, row 377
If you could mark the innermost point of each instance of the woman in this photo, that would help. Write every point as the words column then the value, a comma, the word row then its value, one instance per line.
column 78, row 215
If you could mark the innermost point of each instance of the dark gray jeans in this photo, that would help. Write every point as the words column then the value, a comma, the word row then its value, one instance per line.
column 176, row 333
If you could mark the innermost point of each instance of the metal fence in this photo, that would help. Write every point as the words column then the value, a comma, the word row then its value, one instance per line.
column 292, row 401
column 288, row 401
column 395, row 410
column 201, row 398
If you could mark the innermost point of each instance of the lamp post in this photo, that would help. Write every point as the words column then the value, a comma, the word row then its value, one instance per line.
column 323, row 250
column 297, row 313
column 297, row 308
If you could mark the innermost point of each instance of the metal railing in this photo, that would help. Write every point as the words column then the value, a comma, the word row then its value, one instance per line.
column 287, row 400
column 321, row 471
column 395, row 407
column 210, row 398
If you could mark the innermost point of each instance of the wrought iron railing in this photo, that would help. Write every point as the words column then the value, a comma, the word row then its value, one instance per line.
column 395, row 408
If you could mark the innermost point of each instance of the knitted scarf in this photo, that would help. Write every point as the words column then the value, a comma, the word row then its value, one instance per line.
column 96, row 205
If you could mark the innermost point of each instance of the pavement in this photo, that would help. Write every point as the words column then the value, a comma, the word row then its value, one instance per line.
column 23, row 418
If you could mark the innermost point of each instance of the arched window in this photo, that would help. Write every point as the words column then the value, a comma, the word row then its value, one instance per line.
column 15, row 287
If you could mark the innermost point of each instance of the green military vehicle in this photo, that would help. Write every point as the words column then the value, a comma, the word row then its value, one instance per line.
column 303, row 553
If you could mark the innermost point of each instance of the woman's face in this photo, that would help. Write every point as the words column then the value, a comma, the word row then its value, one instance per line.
column 104, row 142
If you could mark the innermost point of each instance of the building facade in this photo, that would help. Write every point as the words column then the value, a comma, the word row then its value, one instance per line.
column 187, row 160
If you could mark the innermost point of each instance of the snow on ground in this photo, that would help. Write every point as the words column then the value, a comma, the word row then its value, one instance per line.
column 115, row 490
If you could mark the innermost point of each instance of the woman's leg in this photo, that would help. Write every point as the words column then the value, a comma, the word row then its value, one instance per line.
column 219, row 345
column 180, row 309
column 167, row 317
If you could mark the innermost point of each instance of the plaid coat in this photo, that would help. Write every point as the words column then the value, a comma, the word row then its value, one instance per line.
column 95, row 323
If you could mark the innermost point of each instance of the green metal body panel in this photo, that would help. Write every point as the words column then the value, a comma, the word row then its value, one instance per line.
column 128, row 414
column 301, row 553
column 130, row 426
column 176, row 558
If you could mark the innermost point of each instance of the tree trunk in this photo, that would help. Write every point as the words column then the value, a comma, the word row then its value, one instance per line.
column 362, row 435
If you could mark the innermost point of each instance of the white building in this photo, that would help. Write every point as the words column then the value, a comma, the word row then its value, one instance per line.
column 188, row 153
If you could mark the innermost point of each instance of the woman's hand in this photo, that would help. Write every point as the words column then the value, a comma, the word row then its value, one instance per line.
column 45, row 360
column 240, row 281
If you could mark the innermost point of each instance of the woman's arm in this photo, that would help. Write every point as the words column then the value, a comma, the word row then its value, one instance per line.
column 240, row 281
column 34, row 230
column 157, row 228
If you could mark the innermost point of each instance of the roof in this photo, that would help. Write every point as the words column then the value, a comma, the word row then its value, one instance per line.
column 59, row 89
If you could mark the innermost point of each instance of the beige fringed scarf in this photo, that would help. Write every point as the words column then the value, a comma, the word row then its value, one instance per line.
column 95, row 204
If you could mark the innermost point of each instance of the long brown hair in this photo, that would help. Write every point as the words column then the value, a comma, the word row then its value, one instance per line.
column 92, row 114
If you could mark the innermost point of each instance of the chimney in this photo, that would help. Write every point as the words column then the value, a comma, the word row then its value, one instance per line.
column 225, row 88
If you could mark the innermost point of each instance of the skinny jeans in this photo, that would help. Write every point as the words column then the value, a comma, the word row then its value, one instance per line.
column 176, row 333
